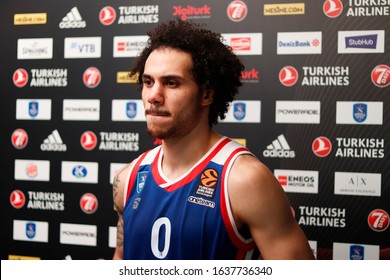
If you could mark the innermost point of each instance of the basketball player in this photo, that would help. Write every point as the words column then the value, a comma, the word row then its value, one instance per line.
column 199, row 195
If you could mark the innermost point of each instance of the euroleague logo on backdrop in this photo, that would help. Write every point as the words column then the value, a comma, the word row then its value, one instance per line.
column 380, row 75
column 321, row 146
column 332, row 8
column 19, row 139
column 88, row 203
column 107, row 15
column 237, row 11
column 288, row 76
column 17, row 199
column 92, row 77
column 88, row 140
column 378, row 220
column 20, row 77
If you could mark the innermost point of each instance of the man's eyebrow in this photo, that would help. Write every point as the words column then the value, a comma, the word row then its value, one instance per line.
column 166, row 77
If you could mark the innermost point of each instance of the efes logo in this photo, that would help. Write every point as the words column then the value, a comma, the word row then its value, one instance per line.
column 360, row 112
column 356, row 252
column 141, row 179
column 207, row 183
column 239, row 110
column 31, row 230
column 30, row 19
column 131, row 109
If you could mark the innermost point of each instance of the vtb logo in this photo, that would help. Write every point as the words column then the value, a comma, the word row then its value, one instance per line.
column 209, row 178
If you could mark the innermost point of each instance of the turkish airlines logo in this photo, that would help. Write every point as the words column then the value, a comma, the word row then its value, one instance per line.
column 20, row 77
column 237, row 11
column 288, row 76
column 92, row 77
column 378, row 220
column 88, row 140
column 19, row 139
column 321, row 146
column 332, row 8
column 88, row 203
column 380, row 76
column 107, row 15
column 17, row 199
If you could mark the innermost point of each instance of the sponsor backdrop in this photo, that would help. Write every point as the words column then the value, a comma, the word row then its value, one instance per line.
column 314, row 108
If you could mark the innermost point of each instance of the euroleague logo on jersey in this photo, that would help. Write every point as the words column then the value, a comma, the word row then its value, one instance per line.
column 332, row 8
column 20, row 77
column 92, row 77
column 107, row 15
column 237, row 11
column 88, row 203
column 88, row 140
column 288, row 76
column 17, row 199
column 207, row 183
column 380, row 75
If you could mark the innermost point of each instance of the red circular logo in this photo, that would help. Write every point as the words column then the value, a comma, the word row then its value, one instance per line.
column 332, row 8
column 31, row 170
column 378, row 220
column 321, row 146
column 107, row 15
column 19, row 139
column 288, row 76
column 88, row 140
column 380, row 76
column 88, row 203
column 92, row 77
column 237, row 11
column 20, row 77
column 17, row 199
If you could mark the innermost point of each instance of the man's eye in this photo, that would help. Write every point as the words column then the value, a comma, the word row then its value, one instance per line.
column 171, row 83
column 148, row 82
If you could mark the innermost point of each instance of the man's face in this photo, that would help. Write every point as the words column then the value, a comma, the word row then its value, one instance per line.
column 170, row 94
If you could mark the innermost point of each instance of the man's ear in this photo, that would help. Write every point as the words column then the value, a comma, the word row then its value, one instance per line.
column 208, row 97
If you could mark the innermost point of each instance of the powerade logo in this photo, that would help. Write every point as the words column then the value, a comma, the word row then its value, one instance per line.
column 363, row 42
column 360, row 112
column 356, row 252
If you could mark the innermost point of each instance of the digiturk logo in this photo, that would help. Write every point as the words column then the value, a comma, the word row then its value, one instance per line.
column 332, row 8
column 279, row 148
column 73, row 19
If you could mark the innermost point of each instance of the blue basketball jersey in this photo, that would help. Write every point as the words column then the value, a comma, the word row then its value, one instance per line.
column 186, row 218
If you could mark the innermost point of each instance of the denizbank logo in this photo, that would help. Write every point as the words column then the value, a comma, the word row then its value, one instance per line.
column 299, row 43
column 364, row 41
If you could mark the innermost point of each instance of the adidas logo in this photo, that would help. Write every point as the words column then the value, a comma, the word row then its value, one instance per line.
column 53, row 142
column 279, row 148
column 73, row 19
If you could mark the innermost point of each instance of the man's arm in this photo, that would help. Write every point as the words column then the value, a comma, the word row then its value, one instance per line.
column 118, row 198
column 258, row 201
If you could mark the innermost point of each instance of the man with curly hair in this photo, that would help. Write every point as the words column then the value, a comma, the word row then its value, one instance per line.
column 198, row 195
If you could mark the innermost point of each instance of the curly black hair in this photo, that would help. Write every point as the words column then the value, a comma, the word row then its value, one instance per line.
column 215, row 66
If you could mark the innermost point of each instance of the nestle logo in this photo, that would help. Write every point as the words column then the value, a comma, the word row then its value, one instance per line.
column 363, row 42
